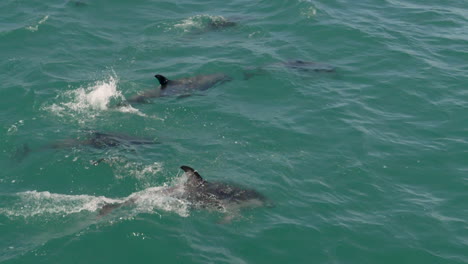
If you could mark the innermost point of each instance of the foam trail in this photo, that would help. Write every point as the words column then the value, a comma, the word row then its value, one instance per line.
column 34, row 203
column 46, row 204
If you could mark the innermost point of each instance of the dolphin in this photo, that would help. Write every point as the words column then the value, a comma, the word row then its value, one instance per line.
column 220, row 24
column 218, row 195
column 202, row 194
column 101, row 140
column 308, row 66
column 93, row 139
column 200, row 24
column 180, row 87
column 298, row 65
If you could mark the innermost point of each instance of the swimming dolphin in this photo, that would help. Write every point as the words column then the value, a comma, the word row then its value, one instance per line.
column 299, row 65
column 101, row 140
column 200, row 24
column 94, row 139
column 180, row 87
column 203, row 194
column 308, row 66
column 218, row 195
column 220, row 24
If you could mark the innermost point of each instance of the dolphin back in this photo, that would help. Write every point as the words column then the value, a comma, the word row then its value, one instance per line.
column 187, row 85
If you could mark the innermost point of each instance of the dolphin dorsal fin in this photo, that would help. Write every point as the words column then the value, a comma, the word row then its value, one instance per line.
column 162, row 80
column 192, row 174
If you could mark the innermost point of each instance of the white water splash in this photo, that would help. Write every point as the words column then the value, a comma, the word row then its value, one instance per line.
column 159, row 198
column 95, row 97
column 309, row 12
column 36, row 27
column 86, row 103
column 198, row 22
column 14, row 128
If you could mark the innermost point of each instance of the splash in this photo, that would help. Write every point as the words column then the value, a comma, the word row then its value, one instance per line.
column 309, row 12
column 36, row 27
column 95, row 97
column 200, row 22
column 13, row 129
column 86, row 103
column 161, row 198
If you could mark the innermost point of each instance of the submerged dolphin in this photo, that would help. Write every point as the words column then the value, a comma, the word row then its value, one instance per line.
column 299, row 65
column 205, row 195
column 180, row 87
column 101, row 140
column 200, row 24
column 220, row 24
column 308, row 66
column 94, row 139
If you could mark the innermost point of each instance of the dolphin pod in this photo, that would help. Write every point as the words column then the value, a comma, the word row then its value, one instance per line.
column 180, row 87
column 198, row 192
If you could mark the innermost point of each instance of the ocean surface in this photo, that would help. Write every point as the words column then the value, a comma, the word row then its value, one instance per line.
column 364, row 157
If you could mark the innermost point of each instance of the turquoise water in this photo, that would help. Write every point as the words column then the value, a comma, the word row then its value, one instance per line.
column 366, row 164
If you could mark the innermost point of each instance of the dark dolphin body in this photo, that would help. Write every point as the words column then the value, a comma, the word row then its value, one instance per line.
column 298, row 65
column 203, row 24
column 94, row 139
column 206, row 195
column 220, row 24
column 218, row 195
column 308, row 66
column 101, row 140
column 180, row 87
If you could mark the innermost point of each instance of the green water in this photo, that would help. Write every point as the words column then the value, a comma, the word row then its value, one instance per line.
column 367, row 164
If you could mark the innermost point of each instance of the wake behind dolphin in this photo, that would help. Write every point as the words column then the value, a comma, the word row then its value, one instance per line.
column 180, row 87
column 202, row 194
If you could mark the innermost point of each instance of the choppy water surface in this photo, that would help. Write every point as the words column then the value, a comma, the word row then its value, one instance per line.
column 364, row 156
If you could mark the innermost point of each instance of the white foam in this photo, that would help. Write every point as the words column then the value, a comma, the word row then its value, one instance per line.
column 198, row 22
column 96, row 96
column 35, row 203
column 36, row 27
column 161, row 198
column 191, row 22
column 14, row 128
column 309, row 12
column 87, row 103
column 150, row 200
column 130, row 109
column 143, row 172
